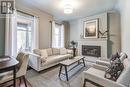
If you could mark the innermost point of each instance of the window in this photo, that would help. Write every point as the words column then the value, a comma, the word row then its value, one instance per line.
column 58, row 36
column 24, row 37
column 24, row 33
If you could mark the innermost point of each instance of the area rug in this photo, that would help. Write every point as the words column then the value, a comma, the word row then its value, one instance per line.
column 49, row 78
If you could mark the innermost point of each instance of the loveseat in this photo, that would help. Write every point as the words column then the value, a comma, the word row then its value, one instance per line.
column 42, row 59
column 94, row 76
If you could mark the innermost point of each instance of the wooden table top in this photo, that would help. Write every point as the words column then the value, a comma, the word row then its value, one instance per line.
column 8, row 63
column 69, row 62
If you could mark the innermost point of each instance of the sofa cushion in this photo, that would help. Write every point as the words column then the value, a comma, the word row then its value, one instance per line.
column 69, row 51
column 114, row 56
column 63, row 51
column 94, row 75
column 56, row 59
column 55, row 51
column 37, row 51
column 114, row 70
column 44, row 53
column 49, row 51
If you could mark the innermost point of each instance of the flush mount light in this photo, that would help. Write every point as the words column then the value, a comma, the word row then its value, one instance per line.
column 68, row 9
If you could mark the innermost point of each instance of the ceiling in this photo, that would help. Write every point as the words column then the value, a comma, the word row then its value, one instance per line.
column 82, row 8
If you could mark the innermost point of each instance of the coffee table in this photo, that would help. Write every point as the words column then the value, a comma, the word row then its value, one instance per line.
column 66, row 63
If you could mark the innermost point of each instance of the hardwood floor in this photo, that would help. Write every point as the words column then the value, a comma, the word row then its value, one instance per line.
column 17, row 83
column 22, row 83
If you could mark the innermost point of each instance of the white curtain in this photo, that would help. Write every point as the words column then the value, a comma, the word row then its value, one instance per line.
column 10, row 35
column 62, row 36
column 35, row 34
column 58, row 35
column 53, row 34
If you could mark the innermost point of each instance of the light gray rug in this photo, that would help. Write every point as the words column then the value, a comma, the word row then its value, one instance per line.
column 49, row 78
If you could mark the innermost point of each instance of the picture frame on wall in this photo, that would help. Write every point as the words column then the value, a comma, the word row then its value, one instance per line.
column 91, row 28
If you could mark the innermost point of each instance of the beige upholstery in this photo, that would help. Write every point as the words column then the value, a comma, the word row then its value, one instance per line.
column 125, row 76
column 54, row 57
column 22, row 68
column 96, row 74
column 55, row 51
column 44, row 54
column 49, row 51
column 63, row 51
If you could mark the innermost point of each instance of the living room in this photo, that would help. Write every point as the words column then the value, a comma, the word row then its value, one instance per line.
column 64, row 43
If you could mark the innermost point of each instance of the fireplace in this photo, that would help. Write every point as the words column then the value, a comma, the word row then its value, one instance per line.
column 94, row 51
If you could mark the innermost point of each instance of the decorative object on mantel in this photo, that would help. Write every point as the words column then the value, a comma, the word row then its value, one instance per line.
column 81, row 36
column 91, row 28
column 103, row 34
column 74, row 45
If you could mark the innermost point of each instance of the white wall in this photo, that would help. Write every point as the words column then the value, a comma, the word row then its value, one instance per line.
column 124, row 6
column 44, row 24
column 74, row 30
column 76, row 26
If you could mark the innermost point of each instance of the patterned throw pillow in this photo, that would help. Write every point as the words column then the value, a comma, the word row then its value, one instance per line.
column 114, row 56
column 114, row 70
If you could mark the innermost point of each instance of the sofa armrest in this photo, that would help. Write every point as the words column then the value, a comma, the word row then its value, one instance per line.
column 35, row 55
column 35, row 61
column 69, row 51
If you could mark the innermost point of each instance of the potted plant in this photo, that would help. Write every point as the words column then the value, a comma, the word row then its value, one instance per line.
column 74, row 45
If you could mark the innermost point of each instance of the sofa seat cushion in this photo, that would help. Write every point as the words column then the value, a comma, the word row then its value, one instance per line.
column 55, row 59
column 95, row 72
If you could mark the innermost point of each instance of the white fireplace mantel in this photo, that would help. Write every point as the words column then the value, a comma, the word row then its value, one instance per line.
column 94, row 42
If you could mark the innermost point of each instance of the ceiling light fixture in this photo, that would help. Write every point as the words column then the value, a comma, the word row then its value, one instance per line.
column 68, row 9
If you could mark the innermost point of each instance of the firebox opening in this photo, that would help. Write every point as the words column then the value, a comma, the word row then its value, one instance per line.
column 94, row 51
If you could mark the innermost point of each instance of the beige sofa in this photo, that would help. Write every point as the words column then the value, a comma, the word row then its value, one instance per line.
column 42, row 59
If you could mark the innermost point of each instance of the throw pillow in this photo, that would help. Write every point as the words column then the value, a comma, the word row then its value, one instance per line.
column 55, row 51
column 44, row 54
column 49, row 51
column 114, row 70
column 63, row 51
column 114, row 56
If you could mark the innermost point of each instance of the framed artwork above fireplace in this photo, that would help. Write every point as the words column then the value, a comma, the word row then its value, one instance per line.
column 91, row 28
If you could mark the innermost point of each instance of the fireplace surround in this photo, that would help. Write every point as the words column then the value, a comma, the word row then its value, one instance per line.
column 89, row 50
